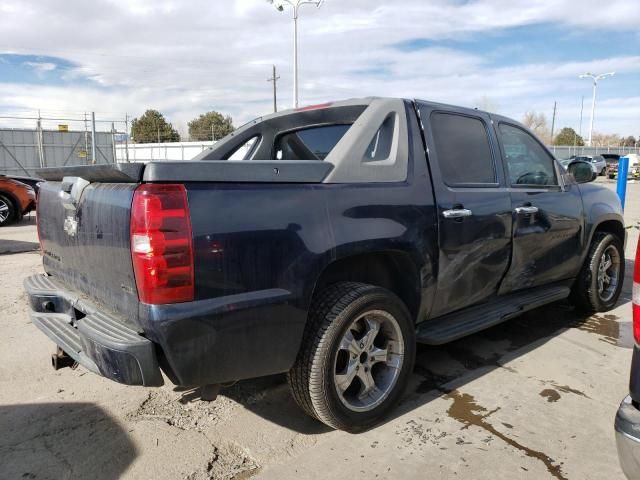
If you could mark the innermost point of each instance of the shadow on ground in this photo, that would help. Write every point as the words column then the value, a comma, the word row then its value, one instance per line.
column 442, row 369
column 17, row 246
column 62, row 440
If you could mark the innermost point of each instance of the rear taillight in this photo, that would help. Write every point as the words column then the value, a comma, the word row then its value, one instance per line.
column 635, row 296
column 161, row 244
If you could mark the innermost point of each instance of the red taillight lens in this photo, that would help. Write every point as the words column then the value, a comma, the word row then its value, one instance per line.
column 161, row 244
column 636, row 296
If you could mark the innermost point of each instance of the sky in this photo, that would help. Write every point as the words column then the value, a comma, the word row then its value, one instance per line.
column 184, row 58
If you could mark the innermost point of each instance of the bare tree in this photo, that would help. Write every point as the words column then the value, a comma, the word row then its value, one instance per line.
column 537, row 122
column 606, row 139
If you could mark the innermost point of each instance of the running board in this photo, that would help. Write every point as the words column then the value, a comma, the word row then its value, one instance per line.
column 473, row 319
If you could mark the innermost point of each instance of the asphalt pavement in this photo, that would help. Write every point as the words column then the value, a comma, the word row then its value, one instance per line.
column 532, row 398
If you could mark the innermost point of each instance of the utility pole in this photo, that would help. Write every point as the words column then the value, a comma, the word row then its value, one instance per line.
column 40, row 141
column 274, row 79
column 113, row 142
column 126, row 136
column 93, row 138
column 581, row 110
column 86, row 139
column 159, row 135
column 553, row 120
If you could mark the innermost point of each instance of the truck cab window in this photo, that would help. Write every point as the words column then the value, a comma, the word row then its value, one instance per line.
column 313, row 143
column 462, row 149
column 527, row 162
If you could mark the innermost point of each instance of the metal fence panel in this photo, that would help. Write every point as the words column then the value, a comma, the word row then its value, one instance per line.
column 20, row 149
column 566, row 152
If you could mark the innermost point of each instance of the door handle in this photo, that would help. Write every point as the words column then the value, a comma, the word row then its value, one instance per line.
column 457, row 213
column 526, row 210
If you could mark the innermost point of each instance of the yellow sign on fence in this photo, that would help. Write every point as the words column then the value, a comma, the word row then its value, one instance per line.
column 63, row 128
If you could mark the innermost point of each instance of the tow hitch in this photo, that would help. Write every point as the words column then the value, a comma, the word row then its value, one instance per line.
column 60, row 359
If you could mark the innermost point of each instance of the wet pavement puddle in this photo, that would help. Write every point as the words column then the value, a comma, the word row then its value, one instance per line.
column 610, row 329
column 465, row 410
column 550, row 394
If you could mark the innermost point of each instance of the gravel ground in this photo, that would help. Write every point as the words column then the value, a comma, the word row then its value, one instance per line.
column 532, row 398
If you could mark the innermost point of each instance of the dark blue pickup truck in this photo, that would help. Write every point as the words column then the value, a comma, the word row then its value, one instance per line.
column 323, row 242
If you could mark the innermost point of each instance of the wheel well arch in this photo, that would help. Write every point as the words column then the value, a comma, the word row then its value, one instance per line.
column 393, row 270
column 611, row 226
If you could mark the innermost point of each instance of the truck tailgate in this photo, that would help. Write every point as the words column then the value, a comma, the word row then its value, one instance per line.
column 86, row 243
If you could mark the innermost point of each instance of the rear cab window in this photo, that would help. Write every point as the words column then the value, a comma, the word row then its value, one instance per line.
column 463, row 150
column 313, row 143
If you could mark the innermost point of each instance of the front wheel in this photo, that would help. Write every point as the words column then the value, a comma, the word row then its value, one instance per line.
column 356, row 357
column 7, row 211
column 599, row 283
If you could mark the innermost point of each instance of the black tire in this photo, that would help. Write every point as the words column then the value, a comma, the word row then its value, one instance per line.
column 585, row 294
column 312, row 378
column 10, row 212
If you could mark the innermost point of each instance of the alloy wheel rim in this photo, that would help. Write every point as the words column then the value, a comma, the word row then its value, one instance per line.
column 608, row 273
column 4, row 211
column 369, row 360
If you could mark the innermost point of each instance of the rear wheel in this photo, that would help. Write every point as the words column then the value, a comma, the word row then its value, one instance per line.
column 357, row 354
column 599, row 283
column 7, row 210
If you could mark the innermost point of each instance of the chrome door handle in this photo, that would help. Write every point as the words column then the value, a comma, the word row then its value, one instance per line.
column 457, row 213
column 526, row 210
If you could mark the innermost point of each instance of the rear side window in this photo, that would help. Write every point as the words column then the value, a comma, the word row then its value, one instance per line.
column 462, row 148
column 313, row 143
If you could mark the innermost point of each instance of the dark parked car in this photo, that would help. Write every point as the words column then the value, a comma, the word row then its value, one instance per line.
column 346, row 233
column 627, row 424
column 16, row 199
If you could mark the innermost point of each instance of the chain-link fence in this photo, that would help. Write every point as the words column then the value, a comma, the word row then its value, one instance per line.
column 24, row 150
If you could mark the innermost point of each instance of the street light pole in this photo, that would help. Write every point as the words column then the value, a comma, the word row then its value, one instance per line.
column 295, row 5
column 595, row 79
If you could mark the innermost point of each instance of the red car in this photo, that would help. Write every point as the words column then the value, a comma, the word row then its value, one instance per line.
column 16, row 199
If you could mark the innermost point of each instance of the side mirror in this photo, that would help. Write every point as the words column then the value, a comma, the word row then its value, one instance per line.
column 581, row 171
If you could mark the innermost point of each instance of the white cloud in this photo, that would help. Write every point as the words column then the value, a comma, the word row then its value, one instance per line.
column 184, row 58
column 41, row 67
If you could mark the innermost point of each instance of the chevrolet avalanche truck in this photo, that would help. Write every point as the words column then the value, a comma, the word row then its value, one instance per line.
column 323, row 242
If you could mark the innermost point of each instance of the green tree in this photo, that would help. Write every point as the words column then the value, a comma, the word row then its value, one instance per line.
column 568, row 136
column 210, row 126
column 152, row 127
column 630, row 141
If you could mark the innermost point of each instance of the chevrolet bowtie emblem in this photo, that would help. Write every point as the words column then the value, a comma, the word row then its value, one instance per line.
column 71, row 226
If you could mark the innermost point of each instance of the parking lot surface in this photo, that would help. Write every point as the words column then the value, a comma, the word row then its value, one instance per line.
column 532, row 398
